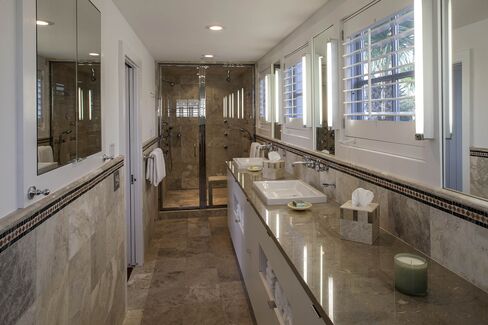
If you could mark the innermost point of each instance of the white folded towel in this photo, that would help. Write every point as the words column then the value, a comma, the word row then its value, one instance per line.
column 156, row 167
column 253, row 151
column 45, row 154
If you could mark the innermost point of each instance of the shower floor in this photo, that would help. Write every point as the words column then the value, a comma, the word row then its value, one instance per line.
column 189, row 198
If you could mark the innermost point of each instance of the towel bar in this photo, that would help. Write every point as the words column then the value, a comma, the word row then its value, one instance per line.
column 146, row 157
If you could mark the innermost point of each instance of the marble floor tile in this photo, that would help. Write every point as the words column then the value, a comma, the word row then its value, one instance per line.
column 192, row 280
column 204, row 314
column 203, row 293
column 170, row 264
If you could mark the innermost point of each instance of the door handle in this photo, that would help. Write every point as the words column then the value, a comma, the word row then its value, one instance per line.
column 194, row 150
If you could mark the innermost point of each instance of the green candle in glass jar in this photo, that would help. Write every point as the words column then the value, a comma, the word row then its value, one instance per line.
column 411, row 274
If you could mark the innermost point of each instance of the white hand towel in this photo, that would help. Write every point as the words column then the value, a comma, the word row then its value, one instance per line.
column 253, row 151
column 159, row 166
column 155, row 167
column 361, row 197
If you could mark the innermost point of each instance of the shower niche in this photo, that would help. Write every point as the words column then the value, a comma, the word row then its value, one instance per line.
column 207, row 118
column 68, row 108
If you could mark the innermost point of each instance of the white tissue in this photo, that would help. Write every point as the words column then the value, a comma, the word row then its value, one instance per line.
column 361, row 197
column 274, row 156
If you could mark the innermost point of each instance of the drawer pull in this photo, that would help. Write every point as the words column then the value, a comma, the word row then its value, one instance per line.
column 271, row 304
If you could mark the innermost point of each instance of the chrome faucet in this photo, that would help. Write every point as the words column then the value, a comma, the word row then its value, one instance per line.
column 307, row 161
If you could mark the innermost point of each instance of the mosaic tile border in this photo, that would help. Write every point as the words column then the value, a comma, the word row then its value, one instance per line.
column 28, row 223
column 459, row 210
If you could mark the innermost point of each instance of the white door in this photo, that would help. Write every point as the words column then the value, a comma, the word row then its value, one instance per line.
column 130, row 159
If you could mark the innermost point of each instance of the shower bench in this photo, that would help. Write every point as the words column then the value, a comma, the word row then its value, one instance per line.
column 215, row 181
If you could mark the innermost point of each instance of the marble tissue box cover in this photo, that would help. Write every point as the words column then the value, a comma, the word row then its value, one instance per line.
column 273, row 169
column 360, row 224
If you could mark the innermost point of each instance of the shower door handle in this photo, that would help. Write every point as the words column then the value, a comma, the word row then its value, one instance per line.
column 194, row 150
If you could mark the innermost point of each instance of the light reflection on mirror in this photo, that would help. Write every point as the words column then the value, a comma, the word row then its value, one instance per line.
column 466, row 144
column 277, row 122
column 324, row 135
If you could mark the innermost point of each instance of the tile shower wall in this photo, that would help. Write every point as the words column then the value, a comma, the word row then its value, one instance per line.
column 455, row 243
column 72, row 268
column 479, row 174
column 224, row 140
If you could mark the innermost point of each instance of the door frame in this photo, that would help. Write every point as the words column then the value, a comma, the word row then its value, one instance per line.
column 464, row 57
column 131, row 142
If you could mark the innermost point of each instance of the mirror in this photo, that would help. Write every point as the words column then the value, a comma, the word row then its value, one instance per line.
column 89, row 130
column 465, row 114
column 264, row 114
column 277, row 101
column 56, row 83
column 324, row 133
column 68, row 82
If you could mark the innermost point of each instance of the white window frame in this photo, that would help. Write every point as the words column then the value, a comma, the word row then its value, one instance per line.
column 299, row 131
column 400, row 132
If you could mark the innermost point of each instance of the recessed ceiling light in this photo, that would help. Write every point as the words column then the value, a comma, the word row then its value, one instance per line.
column 215, row 28
column 208, row 56
column 93, row 54
column 44, row 23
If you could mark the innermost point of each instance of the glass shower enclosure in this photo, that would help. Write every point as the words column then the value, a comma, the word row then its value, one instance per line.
column 206, row 118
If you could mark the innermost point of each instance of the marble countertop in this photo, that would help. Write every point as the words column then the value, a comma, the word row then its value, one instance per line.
column 354, row 282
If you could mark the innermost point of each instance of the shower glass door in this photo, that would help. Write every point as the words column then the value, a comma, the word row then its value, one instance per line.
column 180, row 103
column 207, row 119
column 229, row 124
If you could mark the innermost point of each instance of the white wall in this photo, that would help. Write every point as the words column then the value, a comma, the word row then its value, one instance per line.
column 472, row 37
column 420, row 161
column 14, row 101
column 114, row 29
column 8, row 130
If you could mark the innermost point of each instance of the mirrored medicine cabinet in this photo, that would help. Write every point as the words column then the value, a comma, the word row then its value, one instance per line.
column 68, row 88
column 465, row 65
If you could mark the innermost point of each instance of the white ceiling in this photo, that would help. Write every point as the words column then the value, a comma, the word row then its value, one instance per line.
column 174, row 30
column 465, row 12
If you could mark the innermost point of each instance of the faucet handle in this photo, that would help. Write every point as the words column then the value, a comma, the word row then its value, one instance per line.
column 34, row 191
column 106, row 157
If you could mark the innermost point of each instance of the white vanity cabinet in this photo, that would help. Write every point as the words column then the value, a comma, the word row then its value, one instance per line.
column 255, row 248
column 236, row 219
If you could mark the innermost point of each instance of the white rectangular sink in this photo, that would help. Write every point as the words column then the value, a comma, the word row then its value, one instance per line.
column 282, row 192
column 244, row 163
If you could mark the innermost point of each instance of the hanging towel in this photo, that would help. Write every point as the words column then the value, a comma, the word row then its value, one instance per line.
column 156, row 167
column 253, row 152
column 45, row 154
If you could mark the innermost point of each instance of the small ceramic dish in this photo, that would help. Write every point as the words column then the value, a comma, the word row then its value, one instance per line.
column 254, row 168
column 307, row 206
